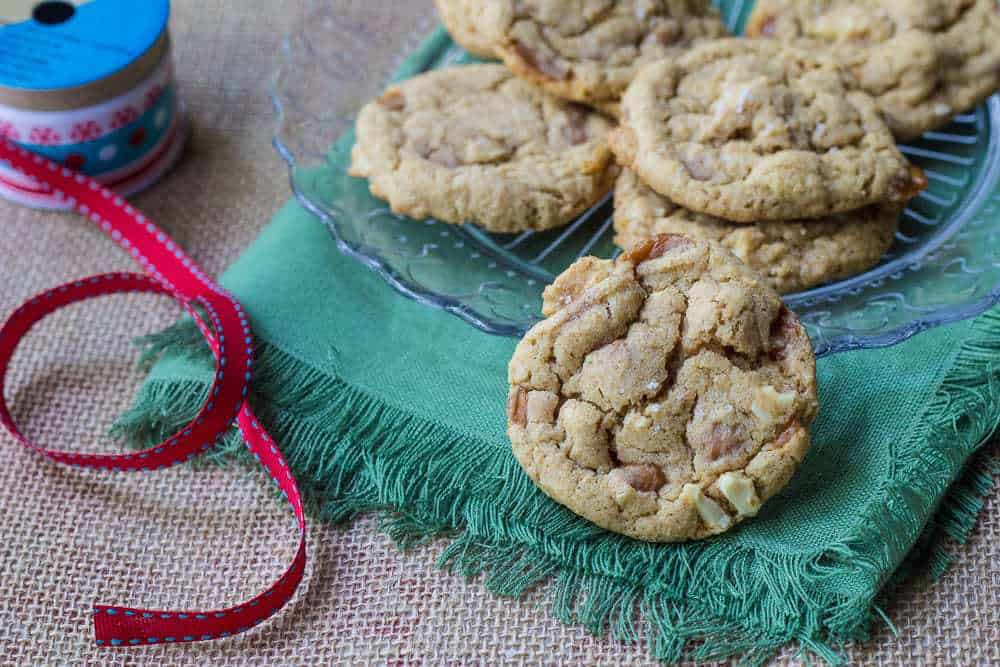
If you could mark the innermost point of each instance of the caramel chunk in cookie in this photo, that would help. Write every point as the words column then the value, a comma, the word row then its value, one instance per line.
column 643, row 476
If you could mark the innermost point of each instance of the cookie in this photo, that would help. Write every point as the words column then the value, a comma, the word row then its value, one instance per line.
column 589, row 50
column 791, row 256
column 922, row 60
column 459, row 17
column 752, row 130
column 478, row 144
column 667, row 394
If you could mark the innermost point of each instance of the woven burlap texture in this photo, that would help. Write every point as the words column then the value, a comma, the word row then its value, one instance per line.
column 215, row 537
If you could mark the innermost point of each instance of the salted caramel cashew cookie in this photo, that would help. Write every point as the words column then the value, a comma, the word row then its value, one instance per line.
column 477, row 144
column 459, row 18
column 589, row 50
column 666, row 395
column 753, row 130
column 791, row 256
column 922, row 60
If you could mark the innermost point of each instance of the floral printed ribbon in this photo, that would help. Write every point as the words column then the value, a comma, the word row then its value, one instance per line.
column 220, row 317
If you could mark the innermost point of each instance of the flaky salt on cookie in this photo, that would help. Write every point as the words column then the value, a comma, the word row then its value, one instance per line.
column 477, row 144
column 667, row 394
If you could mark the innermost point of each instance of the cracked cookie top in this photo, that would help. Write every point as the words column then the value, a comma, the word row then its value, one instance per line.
column 752, row 130
column 589, row 50
column 922, row 60
column 477, row 144
column 791, row 256
column 666, row 395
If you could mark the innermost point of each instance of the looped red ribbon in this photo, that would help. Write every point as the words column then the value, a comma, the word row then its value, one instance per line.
column 171, row 272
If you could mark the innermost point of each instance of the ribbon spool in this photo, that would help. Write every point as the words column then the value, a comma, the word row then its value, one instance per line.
column 88, row 84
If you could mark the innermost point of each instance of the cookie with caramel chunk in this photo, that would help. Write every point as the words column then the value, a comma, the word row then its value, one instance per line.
column 477, row 144
column 922, row 60
column 589, row 50
column 666, row 395
column 752, row 130
column 791, row 255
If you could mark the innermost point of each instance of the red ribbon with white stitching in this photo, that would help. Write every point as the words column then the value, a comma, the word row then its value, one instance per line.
column 170, row 272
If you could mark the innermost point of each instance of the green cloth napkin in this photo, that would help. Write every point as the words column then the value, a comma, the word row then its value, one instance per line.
column 382, row 404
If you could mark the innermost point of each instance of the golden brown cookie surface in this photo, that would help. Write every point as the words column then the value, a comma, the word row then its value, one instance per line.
column 460, row 18
column 477, row 144
column 667, row 394
column 792, row 256
column 922, row 60
column 589, row 50
column 752, row 130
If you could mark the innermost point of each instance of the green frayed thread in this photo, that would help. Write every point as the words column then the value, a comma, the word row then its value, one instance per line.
column 353, row 454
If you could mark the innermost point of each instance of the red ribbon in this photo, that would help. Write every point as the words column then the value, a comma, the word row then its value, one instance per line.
column 171, row 272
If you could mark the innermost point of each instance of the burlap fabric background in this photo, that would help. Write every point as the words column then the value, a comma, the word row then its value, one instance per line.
column 216, row 537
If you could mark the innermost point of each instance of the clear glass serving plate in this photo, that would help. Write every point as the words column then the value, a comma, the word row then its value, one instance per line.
column 944, row 265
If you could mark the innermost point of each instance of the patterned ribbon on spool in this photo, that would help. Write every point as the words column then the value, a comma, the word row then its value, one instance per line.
column 169, row 272
column 125, row 143
column 91, row 86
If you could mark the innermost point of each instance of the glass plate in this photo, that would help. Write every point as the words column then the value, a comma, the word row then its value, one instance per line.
column 944, row 265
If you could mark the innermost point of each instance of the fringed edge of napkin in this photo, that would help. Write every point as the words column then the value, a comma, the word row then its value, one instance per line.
column 354, row 454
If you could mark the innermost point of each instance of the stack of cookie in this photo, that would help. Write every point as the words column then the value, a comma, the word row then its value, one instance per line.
column 770, row 147
column 923, row 61
column 763, row 147
column 722, row 150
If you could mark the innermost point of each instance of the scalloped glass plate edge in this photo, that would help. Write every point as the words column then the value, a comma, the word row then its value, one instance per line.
column 826, row 340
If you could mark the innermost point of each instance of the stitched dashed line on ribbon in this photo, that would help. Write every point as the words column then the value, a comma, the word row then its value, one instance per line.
column 169, row 271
